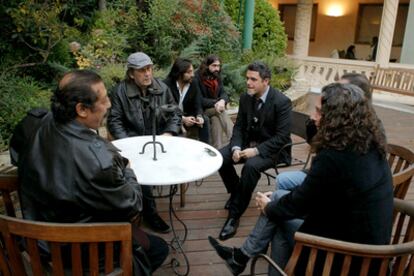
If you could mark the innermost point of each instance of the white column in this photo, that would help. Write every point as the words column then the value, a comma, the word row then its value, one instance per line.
column 301, row 42
column 389, row 16
column 302, row 28
column 407, row 53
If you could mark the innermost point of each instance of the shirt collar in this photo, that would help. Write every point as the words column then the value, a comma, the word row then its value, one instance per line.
column 264, row 96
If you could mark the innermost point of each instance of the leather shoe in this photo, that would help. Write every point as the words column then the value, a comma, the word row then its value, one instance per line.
column 229, row 229
column 227, row 254
column 157, row 224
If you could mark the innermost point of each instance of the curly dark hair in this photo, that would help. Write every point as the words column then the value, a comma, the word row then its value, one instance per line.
column 74, row 87
column 348, row 121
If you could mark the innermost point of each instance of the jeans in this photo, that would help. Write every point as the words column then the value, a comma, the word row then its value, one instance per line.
column 289, row 180
column 280, row 234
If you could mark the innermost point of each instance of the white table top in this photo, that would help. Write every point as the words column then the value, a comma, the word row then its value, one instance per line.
column 186, row 159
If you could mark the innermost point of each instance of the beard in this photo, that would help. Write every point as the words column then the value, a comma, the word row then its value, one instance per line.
column 214, row 74
column 187, row 81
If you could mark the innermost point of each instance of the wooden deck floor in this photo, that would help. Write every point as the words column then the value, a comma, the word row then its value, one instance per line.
column 204, row 216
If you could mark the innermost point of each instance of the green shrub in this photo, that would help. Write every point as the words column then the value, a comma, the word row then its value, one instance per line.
column 194, row 30
column 19, row 95
column 111, row 74
column 269, row 36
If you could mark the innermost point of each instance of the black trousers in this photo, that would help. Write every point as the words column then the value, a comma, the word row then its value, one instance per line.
column 149, row 208
column 241, row 187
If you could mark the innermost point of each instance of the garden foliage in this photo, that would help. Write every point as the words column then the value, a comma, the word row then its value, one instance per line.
column 40, row 40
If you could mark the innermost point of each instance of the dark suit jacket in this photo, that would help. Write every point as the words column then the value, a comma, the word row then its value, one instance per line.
column 207, row 100
column 275, row 120
column 192, row 100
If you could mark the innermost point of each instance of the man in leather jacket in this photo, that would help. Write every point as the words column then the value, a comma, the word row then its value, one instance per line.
column 131, row 115
column 70, row 174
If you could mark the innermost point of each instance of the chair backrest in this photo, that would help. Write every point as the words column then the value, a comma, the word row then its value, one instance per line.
column 75, row 239
column 398, row 257
column 298, row 126
column 401, row 162
column 8, row 189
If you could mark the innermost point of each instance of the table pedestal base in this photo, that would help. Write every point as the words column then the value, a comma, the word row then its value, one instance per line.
column 176, row 243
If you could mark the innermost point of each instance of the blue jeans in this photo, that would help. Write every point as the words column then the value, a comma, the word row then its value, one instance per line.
column 280, row 234
column 289, row 180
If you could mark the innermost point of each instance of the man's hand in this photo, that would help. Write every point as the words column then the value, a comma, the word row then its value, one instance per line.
column 248, row 153
column 236, row 155
column 220, row 106
column 188, row 120
column 199, row 121
column 262, row 199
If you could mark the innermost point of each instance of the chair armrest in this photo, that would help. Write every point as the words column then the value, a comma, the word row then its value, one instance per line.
column 350, row 248
column 267, row 259
column 284, row 147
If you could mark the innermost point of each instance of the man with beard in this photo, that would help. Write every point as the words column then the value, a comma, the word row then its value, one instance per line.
column 131, row 115
column 214, row 100
column 188, row 97
column 69, row 174
column 262, row 128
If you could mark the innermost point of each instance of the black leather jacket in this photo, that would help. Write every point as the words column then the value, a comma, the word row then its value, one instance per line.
column 68, row 173
column 128, row 116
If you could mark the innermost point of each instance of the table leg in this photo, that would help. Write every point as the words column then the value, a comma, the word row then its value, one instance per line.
column 176, row 243
column 183, row 190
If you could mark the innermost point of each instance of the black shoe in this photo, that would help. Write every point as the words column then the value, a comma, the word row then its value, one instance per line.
column 229, row 229
column 228, row 202
column 227, row 254
column 157, row 224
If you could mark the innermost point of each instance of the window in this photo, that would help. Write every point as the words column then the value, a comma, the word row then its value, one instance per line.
column 288, row 16
column 369, row 23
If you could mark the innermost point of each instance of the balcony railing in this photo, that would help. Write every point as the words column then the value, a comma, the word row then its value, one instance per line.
column 317, row 72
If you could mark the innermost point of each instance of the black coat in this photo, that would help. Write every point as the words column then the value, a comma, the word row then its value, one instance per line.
column 208, row 100
column 275, row 121
column 346, row 196
column 67, row 173
column 127, row 116
column 192, row 100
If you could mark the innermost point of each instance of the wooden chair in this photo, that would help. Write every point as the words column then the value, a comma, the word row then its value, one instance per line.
column 8, row 189
column 401, row 162
column 398, row 257
column 78, row 237
column 298, row 128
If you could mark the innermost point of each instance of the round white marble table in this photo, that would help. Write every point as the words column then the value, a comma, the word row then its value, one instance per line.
column 185, row 160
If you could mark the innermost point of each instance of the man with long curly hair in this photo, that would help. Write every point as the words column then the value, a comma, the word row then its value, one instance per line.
column 347, row 195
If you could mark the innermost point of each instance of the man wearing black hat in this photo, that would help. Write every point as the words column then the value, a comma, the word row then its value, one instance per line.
column 131, row 115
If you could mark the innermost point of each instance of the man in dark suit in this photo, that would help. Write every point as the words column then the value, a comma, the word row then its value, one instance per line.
column 188, row 97
column 262, row 128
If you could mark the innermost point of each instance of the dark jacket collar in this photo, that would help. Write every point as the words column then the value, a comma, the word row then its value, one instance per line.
column 132, row 90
